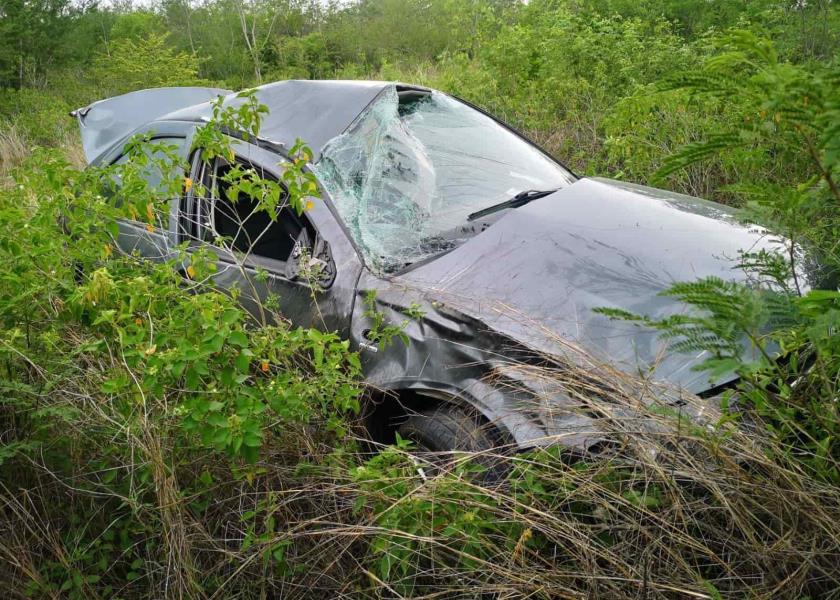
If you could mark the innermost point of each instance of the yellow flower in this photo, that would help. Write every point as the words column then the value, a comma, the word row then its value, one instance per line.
column 187, row 184
column 264, row 366
column 309, row 205
column 150, row 228
column 191, row 272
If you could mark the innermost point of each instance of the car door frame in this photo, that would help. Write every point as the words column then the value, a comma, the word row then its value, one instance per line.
column 329, row 309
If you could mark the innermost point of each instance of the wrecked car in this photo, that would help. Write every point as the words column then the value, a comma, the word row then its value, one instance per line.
column 438, row 219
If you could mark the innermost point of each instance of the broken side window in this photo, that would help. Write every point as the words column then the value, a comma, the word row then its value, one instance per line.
column 238, row 221
column 415, row 165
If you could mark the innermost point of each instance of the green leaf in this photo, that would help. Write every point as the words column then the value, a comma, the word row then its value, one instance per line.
column 238, row 338
column 243, row 362
column 113, row 229
column 253, row 440
column 250, row 454
column 215, row 344
column 217, row 420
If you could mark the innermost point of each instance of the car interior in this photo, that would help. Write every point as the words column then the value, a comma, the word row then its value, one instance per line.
column 246, row 229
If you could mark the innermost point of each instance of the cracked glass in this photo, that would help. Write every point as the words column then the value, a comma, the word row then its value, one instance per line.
column 413, row 167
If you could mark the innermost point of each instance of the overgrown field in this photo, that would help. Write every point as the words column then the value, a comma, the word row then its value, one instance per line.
column 157, row 442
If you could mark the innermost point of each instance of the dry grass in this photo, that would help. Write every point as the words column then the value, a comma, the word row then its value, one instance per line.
column 13, row 147
column 669, row 508
column 73, row 151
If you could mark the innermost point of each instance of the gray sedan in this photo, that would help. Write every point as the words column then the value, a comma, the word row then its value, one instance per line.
column 439, row 219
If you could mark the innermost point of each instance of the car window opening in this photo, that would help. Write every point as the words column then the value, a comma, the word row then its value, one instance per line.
column 247, row 229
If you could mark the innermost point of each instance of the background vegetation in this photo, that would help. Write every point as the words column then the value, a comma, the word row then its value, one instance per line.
column 154, row 446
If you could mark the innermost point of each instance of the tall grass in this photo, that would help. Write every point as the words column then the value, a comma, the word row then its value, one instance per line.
column 13, row 147
column 668, row 507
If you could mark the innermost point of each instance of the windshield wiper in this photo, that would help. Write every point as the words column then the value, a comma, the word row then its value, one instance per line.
column 520, row 199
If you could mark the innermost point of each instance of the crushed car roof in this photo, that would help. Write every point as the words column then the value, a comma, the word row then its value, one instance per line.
column 315, row 111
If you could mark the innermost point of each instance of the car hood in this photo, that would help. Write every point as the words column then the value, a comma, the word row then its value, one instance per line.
column 536, row 274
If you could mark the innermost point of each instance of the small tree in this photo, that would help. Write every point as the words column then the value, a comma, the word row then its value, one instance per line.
column 142, row 63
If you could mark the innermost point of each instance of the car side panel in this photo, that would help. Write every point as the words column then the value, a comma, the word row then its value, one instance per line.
column 449, row 355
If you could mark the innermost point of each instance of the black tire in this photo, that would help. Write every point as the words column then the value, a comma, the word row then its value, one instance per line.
column 439, row 432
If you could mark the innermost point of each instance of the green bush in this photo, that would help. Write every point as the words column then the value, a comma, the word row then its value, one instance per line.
column 132, row 352
column 789, row 116
column 42, row 117
column 132, row 64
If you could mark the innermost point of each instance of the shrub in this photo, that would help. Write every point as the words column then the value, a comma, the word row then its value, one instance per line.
column 790, row 116
column 131, row 373
column 143, row 63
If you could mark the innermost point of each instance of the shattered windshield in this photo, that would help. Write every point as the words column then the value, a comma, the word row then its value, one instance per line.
column 411, row 170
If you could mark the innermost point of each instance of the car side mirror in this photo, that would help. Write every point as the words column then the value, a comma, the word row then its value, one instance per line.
column 311, row 262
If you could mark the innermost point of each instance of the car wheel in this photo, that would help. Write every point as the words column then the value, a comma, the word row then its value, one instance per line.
column 439, row 433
